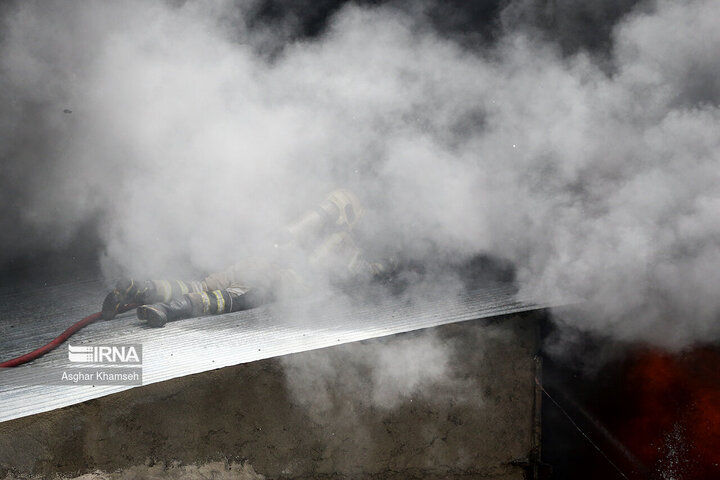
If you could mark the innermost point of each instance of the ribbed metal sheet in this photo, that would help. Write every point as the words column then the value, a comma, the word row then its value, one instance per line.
column 196, row 345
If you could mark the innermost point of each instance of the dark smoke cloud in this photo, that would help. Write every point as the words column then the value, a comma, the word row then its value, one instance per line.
column 573, row 24
column 580, row 142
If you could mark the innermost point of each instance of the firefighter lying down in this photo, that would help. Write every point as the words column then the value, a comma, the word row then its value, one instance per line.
column 322, row 238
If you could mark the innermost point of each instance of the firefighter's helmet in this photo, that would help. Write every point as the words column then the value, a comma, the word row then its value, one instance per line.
column 343, row 206
column 340, row 210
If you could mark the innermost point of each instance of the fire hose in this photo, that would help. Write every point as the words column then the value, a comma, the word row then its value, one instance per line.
column 57, row 341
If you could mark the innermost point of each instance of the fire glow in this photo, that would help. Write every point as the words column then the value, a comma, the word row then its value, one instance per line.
column 673, row 412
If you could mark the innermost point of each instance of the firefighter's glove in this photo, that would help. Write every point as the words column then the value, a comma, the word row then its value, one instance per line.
column 126, row 292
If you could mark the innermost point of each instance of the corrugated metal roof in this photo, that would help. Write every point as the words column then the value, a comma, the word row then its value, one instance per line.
column 196, row 345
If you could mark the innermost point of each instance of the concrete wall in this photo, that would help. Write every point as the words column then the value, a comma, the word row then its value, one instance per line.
column 474, row 422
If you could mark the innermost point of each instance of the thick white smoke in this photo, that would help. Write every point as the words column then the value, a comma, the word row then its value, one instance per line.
column 597, row 178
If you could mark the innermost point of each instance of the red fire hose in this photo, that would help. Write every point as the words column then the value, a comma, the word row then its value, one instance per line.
column 28, row 357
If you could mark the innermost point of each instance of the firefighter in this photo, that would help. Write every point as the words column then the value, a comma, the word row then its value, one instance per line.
column 320, row 242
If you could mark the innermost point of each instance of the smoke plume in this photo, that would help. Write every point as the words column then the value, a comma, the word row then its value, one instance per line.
column 586, row 156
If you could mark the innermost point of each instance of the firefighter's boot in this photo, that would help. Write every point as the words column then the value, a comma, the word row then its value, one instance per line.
column 158, row 314
column 200, row 304
column 144, row 292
